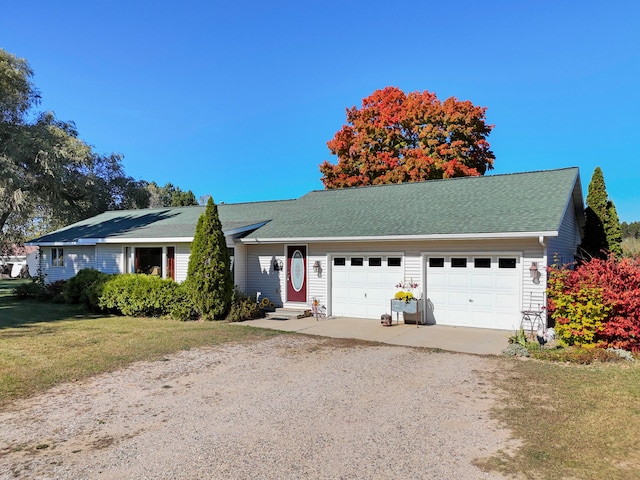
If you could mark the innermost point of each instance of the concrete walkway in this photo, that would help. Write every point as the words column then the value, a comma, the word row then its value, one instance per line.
column 454, row 339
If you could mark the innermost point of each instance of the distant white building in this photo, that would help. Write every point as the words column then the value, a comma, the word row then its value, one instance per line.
column 12, row 264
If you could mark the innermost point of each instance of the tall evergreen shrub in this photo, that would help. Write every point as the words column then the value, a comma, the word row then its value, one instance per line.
column 602, row 232
column 209, row 281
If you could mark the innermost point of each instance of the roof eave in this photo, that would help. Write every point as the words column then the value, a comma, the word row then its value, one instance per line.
column 386, row 238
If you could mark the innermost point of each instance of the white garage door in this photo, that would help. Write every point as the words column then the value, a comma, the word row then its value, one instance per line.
column 474, row 290
column 363, row 285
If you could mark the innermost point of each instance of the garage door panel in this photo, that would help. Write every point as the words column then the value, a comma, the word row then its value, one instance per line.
column 456, row 280
column 483, row 280
column 364, row 290
column 458, row 298
column 482, row 300
column 437, row 281
column 495, row 292
column 507, row 282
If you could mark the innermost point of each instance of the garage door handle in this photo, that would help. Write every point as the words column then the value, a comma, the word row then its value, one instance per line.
column 470, row 300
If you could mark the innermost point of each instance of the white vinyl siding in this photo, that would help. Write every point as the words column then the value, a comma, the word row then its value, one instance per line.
column 562, row 249
column 182, row 254
column 75, row 259
column 110, row 258
column 240, row 267
column 261, row 276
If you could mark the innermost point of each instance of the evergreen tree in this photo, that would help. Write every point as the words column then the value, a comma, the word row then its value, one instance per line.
column 602, row 232
column 209, row 280
column 613, row 230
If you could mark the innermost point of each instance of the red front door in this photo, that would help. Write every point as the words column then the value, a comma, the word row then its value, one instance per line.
column 297, row 274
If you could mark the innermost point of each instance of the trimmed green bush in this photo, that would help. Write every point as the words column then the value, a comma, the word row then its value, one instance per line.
column 181, row 307
column 137, row 295
column 77, row 288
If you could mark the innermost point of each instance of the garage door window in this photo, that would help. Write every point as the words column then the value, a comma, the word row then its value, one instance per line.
column 339, row 261
column 459, row 263
column 506, row 263
column 482, row 262
column 436, row 262
column 357, row 261
column 375, row 262
column 394, row 262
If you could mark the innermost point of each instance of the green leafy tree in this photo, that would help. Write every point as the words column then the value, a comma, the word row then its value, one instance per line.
column 396, row 137
column 630, row 230
column 602, row 232
column 50, row 177
column 169, row 196
column 209, row 280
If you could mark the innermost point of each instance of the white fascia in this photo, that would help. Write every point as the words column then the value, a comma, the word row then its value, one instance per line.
column 387, row 238
column 56, row 244
column 94, row 241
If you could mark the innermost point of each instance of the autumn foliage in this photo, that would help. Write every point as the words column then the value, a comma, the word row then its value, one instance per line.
column 396, row 137
column 598, row 303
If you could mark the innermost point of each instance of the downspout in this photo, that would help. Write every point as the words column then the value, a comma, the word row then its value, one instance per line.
column 541, row 241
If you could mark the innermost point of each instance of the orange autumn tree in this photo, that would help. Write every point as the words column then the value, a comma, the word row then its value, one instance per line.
column 397, row 137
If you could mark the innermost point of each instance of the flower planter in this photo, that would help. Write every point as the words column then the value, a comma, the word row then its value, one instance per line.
column 411, row 310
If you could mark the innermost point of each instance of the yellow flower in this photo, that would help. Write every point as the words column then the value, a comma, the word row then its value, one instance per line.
column 405, row 296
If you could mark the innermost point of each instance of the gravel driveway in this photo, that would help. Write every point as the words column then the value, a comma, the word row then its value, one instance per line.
column 291, row 407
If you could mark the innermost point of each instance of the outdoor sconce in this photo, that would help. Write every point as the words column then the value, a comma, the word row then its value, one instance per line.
column 277, row 265
column 534, row 272
column 317, row 268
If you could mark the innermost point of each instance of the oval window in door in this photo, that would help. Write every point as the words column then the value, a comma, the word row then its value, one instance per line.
column 297, row 270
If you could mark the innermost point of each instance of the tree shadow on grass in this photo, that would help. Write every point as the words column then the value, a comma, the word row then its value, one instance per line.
column 17, row 313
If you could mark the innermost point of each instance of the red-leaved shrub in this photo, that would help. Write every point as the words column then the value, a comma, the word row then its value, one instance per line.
column 615, row 283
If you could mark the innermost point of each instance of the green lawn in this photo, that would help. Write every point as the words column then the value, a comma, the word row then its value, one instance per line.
column 574, row 422
column 43, row 344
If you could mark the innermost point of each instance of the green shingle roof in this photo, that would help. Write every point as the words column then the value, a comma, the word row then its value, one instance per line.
column 514, row 203
column 528, row 202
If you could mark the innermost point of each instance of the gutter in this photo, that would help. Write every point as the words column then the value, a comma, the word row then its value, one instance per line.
column 461, row 236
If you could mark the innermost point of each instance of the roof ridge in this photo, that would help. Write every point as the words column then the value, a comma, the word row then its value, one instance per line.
column 466, row 177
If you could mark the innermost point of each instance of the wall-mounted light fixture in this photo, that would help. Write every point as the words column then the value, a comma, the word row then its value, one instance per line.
column 534, row 272
column 317, row 267
column 277, row 265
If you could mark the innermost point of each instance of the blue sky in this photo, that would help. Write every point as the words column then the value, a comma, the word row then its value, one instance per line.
column 237, row 99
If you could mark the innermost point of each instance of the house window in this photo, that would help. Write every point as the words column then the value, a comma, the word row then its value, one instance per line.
column 339, row 261
column 458, row 263
column 394, row 262
column 482, row 262
column 149, row 261
column 375, row 262
column 436, row 262
column 57, row 257
column 357, row 261
column 506, row 263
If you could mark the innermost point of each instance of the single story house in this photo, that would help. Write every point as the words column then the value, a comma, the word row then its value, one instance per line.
column 475, row 249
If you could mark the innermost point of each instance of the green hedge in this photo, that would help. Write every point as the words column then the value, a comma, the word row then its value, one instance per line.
column 80, row 288
column 138, row 295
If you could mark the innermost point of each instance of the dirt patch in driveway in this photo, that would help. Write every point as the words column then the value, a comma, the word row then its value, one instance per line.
column 287, row 407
